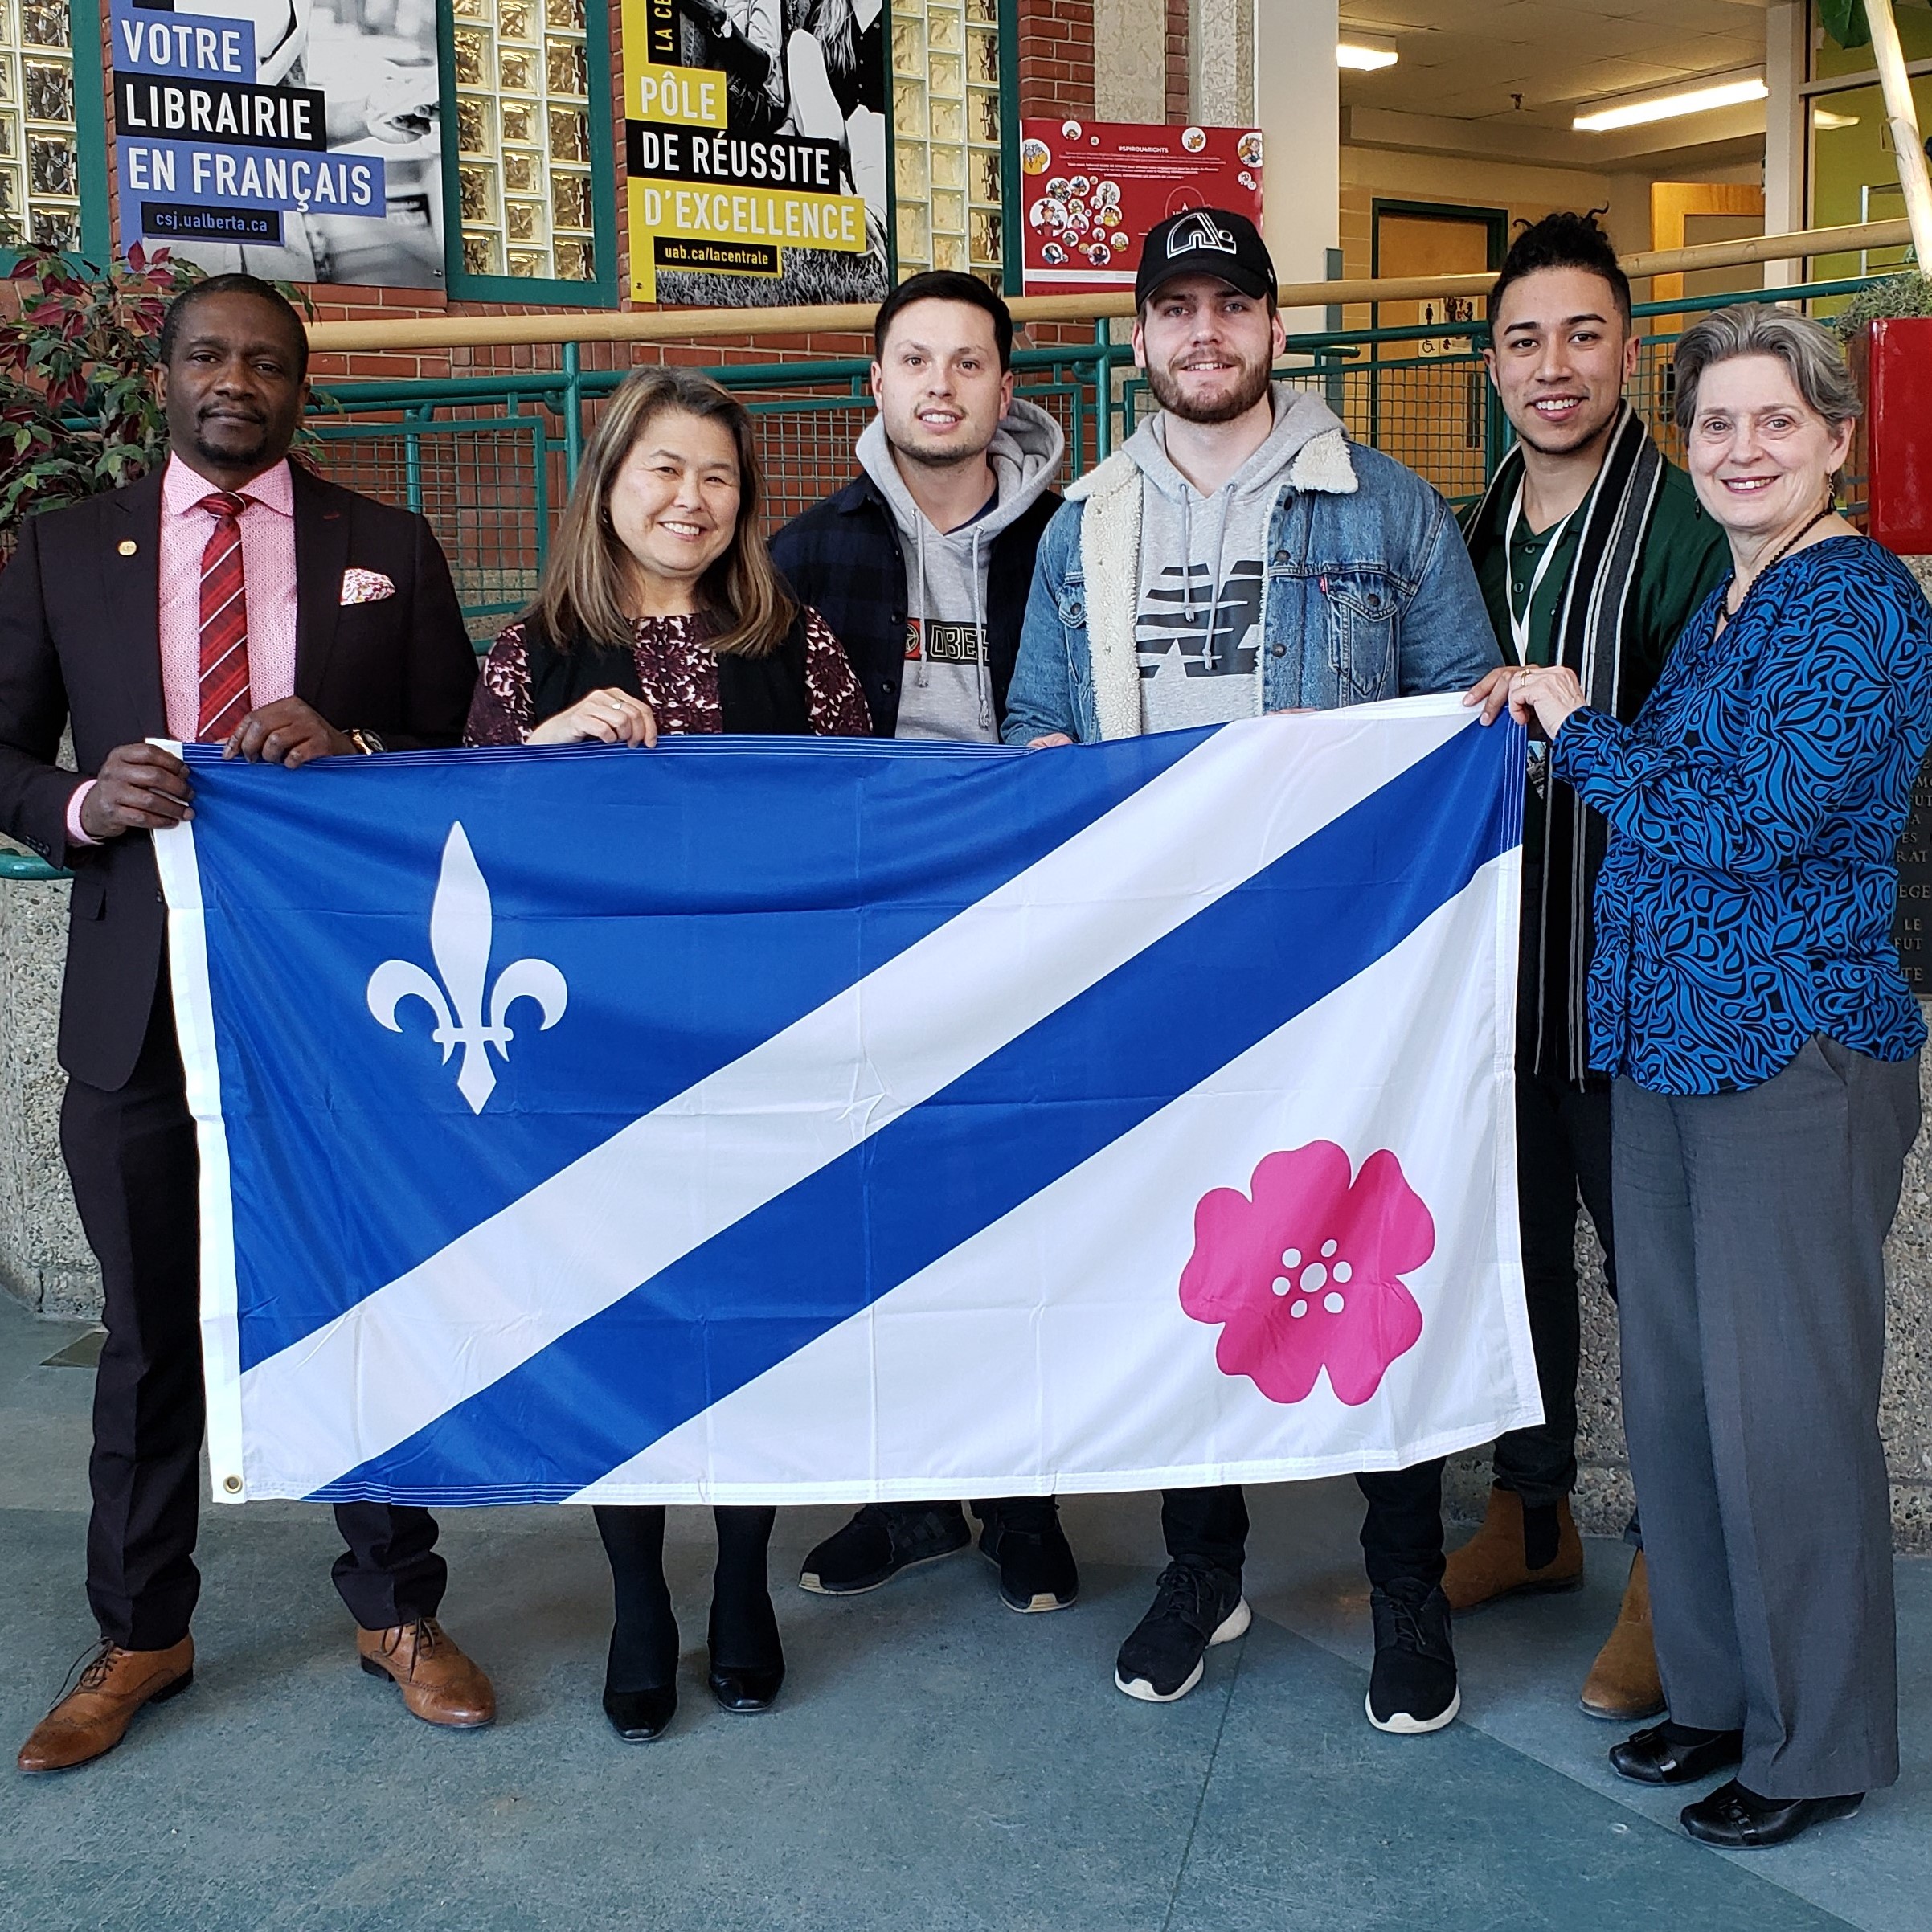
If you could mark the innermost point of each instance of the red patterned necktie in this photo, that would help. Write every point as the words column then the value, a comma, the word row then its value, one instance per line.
column 224, row 621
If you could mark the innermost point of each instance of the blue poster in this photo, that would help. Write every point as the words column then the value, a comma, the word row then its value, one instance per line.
column 309, row 151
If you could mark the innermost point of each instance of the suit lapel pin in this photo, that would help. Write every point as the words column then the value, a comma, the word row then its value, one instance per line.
column 127, row 546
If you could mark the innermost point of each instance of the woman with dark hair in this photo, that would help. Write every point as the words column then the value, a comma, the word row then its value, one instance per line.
column 1746, row 995
column 659, row 610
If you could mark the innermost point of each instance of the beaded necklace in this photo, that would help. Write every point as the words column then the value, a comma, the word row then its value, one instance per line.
column 1727, row 612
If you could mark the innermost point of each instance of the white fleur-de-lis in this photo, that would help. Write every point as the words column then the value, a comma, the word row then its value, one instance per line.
column 460, row 922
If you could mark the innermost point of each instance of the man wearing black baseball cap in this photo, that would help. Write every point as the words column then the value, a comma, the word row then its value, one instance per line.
column 1206, row 241
column 1240, row 556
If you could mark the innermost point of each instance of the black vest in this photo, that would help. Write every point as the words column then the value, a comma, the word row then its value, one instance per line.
column 760, row 694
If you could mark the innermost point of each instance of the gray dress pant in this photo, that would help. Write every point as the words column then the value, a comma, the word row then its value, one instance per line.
column 1750, row 1227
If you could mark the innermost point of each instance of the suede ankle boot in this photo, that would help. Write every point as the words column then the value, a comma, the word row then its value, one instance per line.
column 1623, row 1685
column 1494, row 1562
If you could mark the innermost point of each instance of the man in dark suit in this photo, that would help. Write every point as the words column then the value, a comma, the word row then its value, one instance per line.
column 230, row 597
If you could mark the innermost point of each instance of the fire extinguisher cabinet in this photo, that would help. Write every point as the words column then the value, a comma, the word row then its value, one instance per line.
column 1892, row 360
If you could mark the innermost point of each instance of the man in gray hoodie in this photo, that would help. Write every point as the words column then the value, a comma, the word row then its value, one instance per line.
column 1197, row 632
column 921, row 566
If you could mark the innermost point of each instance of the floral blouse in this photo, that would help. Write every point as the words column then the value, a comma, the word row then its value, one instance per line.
column 678, row 676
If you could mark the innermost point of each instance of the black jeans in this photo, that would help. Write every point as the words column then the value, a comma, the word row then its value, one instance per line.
column 131, row 1156
column 1563, row 1153
column 1401, row 1533
column 1562, row 1140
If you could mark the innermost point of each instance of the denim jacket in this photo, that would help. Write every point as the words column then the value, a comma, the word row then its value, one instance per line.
column 1370, row 594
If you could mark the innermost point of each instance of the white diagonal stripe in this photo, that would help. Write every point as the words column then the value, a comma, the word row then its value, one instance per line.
column 615, row 1217
column 240, row 592
column 235, row 649
column 994, row 1372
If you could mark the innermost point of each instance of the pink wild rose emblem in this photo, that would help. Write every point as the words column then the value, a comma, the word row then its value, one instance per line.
column 1306, row 1275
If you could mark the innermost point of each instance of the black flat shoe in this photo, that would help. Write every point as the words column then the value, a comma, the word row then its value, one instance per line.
column 1676, row 1754
column 1736, row 1817
column 637, row 1717
column 746, row 1692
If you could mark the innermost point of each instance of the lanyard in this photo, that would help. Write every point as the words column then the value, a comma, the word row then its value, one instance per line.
column 1519, row 627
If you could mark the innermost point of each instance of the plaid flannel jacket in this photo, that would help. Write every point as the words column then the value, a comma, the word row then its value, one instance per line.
column 842, row 557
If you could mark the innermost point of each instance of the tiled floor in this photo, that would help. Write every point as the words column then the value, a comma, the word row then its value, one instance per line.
column 936, row 1763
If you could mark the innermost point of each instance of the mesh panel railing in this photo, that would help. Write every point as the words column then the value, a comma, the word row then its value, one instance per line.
column 1431, row 413
column 485, row 483
column 490, row 461
column 490, row 465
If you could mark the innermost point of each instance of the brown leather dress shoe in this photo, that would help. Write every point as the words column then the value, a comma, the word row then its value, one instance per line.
column 1493, row 1564
column 439, row 1684
column 93, row 1717
column 1623, row 1684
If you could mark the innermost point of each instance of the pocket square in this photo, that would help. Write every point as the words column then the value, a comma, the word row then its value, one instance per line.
column 366, row 586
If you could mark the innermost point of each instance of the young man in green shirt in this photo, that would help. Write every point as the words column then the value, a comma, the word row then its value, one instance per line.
column 1588, row 547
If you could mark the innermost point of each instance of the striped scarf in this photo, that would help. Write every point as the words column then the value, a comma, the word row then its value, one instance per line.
column 1595, row 620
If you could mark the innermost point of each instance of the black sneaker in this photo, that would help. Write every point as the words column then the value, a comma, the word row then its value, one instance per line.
column 880, row 1542
column 1413, row 1688
column 1195, row 1607
column 1036, row 1562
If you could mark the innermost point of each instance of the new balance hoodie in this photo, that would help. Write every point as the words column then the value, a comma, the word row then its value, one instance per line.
column 1203, row 567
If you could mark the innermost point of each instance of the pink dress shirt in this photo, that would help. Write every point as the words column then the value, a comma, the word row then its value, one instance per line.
column 267, row 534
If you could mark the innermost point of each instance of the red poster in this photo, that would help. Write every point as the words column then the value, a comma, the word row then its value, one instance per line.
column 1093, row 189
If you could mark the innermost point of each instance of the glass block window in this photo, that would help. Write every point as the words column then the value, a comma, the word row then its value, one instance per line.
column 947, row 135
column 39, row 171
column 523, row 138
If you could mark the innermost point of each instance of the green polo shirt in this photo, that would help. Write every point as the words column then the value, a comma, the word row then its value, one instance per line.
column 1684, row 557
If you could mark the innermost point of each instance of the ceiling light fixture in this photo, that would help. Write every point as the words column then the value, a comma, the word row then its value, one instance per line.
column 1825, row 121
column 1364, row 53
column 1667, row 107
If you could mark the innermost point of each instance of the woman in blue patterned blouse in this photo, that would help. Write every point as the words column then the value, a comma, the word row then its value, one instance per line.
column 1746, row 995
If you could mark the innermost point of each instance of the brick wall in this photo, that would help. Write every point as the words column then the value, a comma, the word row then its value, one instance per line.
column 1177, row 61
column 1056, row 56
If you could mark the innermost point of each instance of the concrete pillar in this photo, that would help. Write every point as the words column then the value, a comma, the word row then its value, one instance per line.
column 1220, row 61
column 1297, row 106
column 1786, row 132
column 1130, row 60
column 44, row 1258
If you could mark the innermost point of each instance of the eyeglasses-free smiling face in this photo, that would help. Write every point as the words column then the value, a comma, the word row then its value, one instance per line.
column 1761, row 457
column 939, row 384
column 1560, row 358
column 1207, row 348
column 673, row 502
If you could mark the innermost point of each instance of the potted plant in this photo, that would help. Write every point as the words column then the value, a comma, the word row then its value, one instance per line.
column 77, row 408
column 1887, row 332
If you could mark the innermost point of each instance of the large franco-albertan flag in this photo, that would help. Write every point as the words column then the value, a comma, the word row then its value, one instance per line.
column 793, row 1120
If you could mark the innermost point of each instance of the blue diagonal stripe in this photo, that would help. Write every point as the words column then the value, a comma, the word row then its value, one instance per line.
column 1175, row 1013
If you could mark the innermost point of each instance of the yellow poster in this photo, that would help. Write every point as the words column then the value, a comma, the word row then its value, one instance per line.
column 740, row 140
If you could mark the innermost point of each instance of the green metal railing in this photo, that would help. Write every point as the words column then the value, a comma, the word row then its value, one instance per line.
column 490, row 460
